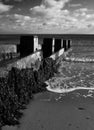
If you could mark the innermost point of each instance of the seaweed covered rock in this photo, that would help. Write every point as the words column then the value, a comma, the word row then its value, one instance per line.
column 49, row 67
column 27, row 82
column 17, row 89
column 9, row 103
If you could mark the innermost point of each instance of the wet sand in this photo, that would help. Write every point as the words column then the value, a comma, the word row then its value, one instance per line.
column 52, row 111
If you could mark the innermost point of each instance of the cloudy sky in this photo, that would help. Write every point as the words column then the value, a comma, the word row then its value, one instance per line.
column 47, row 16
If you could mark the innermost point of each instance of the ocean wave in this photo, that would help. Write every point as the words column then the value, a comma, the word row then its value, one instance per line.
column 77, row 59
column 63, row 90
column 71, row 77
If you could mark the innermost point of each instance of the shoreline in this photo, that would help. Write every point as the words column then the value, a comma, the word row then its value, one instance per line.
column 57, row 90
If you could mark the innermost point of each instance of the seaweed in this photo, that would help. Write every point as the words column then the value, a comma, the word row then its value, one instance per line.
column 18, row 87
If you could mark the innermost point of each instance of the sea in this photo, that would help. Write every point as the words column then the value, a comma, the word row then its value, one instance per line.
column 77, row 73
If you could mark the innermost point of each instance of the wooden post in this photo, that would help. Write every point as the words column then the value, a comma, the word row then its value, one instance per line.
column 70, row 43
column 66, row 44
column 35, row 43
column 62, row 46
column 40, row 43
column 53, row 45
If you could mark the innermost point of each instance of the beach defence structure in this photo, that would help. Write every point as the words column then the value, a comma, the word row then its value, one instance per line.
column 48, row 44
column 31, row 48
column 26, row 45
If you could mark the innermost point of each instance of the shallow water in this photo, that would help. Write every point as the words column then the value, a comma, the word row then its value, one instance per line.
column 72, row 76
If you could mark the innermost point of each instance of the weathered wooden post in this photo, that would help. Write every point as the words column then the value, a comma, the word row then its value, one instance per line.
column 62, row 46
column 66, row 44
column 53, row 45
column 35, row 43
column 40, row 43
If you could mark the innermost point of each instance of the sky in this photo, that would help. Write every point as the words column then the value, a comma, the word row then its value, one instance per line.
column 47, row 16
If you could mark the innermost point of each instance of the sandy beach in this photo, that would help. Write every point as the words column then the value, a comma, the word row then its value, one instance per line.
column 68, row 103
column 52, row 111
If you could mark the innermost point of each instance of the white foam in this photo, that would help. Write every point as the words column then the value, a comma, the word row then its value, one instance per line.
column 58, row 90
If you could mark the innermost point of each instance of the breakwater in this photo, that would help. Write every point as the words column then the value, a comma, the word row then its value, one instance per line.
column 18, row 87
